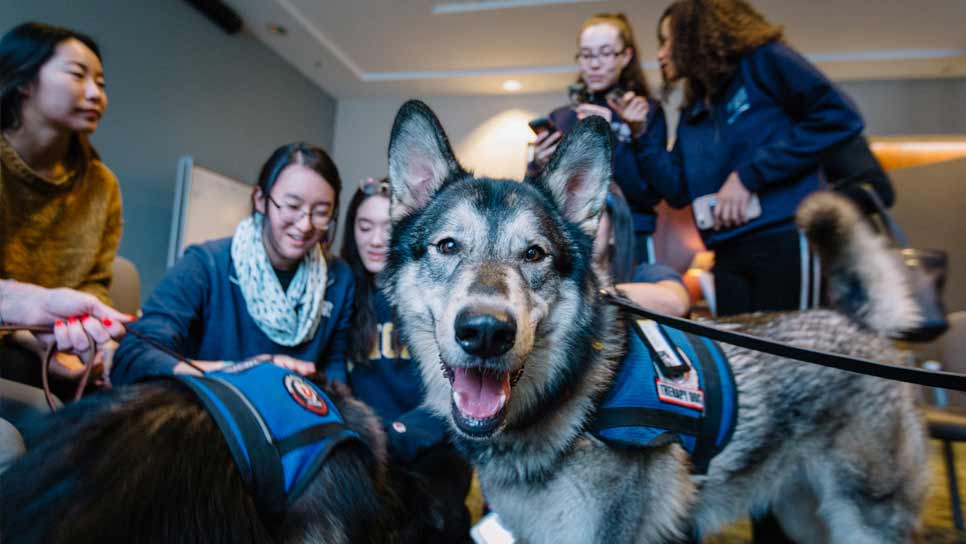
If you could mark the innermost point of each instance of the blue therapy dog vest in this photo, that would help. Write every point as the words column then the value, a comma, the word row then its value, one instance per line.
column 642, row 410
column 279, row 427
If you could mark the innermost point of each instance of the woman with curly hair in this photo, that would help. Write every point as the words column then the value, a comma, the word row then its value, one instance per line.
column 610, row 84
column 756, row 121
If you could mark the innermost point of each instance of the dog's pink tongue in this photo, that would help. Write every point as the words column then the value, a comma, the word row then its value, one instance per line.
column 479, row 395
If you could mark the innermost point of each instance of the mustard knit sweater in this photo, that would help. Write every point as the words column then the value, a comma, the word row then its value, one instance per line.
column 59, row 232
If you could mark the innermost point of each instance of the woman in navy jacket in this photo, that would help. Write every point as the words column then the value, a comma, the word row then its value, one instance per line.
column 269, row 292
column 757, row 118
column 382, row 374
column 611, row 84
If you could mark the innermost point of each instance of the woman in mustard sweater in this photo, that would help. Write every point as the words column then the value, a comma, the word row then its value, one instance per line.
column 60, row 207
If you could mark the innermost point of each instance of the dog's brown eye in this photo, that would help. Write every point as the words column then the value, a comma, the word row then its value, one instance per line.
column 448, row 246
column 534, row 254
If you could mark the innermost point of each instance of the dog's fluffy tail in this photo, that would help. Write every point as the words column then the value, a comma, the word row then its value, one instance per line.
column 866, row 279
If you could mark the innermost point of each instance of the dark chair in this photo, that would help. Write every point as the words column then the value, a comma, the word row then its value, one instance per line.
column 945, row 424
column 125, row 290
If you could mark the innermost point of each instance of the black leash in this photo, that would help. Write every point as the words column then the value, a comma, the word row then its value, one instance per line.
column 163, row 349
column 930, row 378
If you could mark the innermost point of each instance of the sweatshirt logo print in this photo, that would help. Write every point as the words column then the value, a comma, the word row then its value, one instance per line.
column 737, row 105
column 383, row 346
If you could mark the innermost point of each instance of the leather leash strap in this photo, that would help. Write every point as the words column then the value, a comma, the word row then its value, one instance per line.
column 88, row 361
column 48, row 358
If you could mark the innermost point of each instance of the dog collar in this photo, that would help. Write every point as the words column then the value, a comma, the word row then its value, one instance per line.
column 279, row 427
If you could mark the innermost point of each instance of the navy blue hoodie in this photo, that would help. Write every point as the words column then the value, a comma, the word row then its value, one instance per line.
column 198, row 311
column 389, row 382
column 771, row 123
column 641, row 197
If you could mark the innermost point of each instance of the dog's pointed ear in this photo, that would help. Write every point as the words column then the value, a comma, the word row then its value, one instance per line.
column 420, row 158
column 579, row 173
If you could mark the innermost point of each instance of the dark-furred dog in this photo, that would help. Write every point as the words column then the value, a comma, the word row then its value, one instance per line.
column 148, row 463
column 500, row 304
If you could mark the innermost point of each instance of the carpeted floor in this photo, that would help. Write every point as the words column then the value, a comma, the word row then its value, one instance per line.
column 937, row 518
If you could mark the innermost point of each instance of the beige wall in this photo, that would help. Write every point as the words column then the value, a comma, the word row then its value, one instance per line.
column 930, row 201
column 489, row 133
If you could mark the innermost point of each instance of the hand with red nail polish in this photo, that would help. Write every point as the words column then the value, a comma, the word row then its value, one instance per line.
column 32, row 305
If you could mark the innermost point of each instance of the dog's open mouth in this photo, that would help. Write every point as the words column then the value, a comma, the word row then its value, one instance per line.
column 479, row 398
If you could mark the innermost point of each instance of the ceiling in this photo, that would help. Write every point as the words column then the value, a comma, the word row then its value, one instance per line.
column 358, row 48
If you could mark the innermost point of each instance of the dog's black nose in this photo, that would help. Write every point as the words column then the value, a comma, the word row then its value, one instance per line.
column 485, row 334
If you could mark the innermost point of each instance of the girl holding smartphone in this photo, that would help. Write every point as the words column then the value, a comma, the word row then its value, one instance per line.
column 611, row 84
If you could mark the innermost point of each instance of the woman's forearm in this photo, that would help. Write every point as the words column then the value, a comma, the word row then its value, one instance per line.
column 667, row 297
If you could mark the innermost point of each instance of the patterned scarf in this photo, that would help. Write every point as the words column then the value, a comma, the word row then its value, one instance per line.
column 287, row 318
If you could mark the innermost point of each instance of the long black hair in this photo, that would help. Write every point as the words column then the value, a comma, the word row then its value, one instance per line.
column 23, row 52
column 364, row 311
column 620, row 253
column 310, row 156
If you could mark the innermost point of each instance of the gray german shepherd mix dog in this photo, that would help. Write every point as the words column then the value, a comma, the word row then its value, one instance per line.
column 501, row 306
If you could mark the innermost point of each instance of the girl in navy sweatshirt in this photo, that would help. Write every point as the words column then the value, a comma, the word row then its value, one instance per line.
column 269, row 292
column 757, row 118
column 382, row 374
column 611, row 84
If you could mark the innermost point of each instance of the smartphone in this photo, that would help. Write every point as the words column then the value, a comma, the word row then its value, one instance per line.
column 703, row 208
column 541, row 124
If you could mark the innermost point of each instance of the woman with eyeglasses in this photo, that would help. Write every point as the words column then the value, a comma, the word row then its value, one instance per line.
column 611, row 84
column 382, row 375
column 269, row 292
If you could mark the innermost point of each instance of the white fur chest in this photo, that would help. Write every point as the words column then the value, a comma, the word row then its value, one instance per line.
column 596, row 494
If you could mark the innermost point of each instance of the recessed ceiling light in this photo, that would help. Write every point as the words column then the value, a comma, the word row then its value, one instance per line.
column 276, row 28
column 463, row 6
column 512, row 86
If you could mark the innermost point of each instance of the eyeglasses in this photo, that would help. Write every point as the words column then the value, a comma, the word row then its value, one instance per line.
column 290, row 213
column 372, row 187
column 606, row 54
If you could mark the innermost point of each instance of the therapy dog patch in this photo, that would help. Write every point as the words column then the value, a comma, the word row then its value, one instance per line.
column 671, row 387
column 305, row 395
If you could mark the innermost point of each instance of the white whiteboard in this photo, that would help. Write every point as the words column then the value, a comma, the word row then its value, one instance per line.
column 207, row 206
